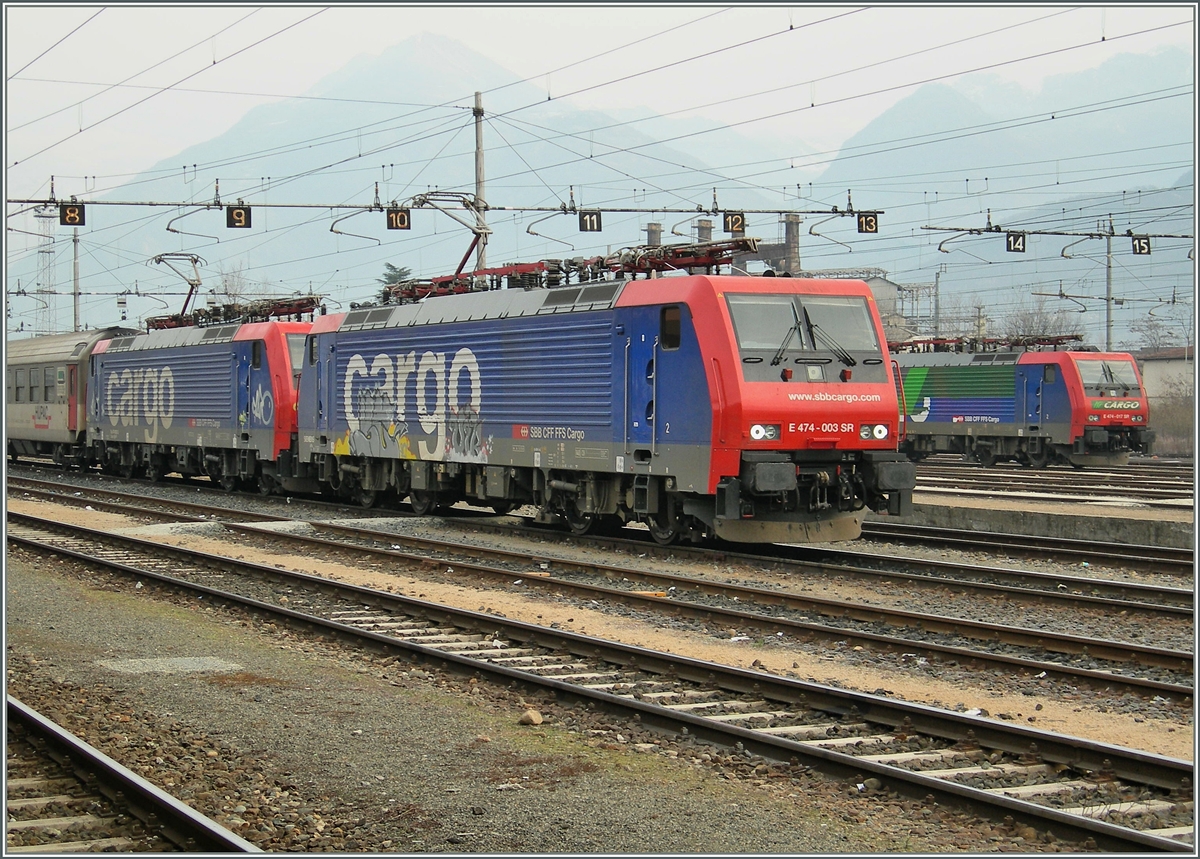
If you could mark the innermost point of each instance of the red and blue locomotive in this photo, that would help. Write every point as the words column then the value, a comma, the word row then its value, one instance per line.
column 217, row 401
column 991, row 402
column 750, row 408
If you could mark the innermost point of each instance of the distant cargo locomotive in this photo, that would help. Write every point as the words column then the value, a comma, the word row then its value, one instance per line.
column 749, row 408
column 1033, row 407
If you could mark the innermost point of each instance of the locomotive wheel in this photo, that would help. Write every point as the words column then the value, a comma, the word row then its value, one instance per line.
column 266, row 484
column 229, row 482
column 502, row 508
column 366, row 497
column 664, row 535
column 579, row 523
column 985, row 457
column 128, row 470
column 1039, row 460
column 154, row 471
column 423, row 501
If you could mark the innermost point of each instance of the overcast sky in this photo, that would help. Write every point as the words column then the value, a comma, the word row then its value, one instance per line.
column 216, row 62
column 95, row 95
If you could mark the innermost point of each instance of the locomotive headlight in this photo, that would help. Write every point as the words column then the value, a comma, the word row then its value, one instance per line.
column 1094, row 418
column 765, row 432
column 1137, row 419
column 869, row 431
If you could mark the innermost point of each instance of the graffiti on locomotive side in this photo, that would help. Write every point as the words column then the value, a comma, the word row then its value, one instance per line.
column 263, row 406
column 441, row 397
column 142, row 396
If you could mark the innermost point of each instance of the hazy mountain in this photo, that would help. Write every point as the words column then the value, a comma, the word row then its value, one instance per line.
column 1121, row 112
column 400, row 123
column 1116, row 141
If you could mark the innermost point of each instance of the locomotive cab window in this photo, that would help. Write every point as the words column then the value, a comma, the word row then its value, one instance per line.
column 256, row 353
column 844, row 319
column 670, row 328
column 1108, row 375
column 761, row 322
column 312, row 351
column 1048, row 374
column 295, row 344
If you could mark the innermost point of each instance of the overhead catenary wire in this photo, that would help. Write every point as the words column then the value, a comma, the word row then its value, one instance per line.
column 47, row 148
column 55, row 45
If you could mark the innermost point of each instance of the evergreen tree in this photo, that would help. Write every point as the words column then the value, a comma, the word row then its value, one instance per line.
column 392, row 276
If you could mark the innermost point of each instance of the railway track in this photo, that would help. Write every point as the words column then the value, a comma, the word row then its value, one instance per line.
column 1084, row 660
column 1164, row 559
column 1156, row 559
column 868, row 564
column 64, row 796
column 1150, row 486
column 823, row 560
column 1088, row 660
column 1093, row 794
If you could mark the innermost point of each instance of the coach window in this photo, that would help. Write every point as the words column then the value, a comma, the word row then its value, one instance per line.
column 49, row 379
column 256, row 354
column 1048, row 374
column 35, row 387
column 8, row 394
column 670, row 328
column 19, row 387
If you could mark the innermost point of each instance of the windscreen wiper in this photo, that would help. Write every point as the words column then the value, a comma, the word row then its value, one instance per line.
column 786, row 340
column 818, row 333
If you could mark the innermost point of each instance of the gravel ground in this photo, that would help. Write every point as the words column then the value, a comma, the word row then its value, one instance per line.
column 1152, row 724
column 306, row 746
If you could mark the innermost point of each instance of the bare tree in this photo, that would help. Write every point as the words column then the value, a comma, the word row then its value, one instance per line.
column 960, row 318
column 1037, row 320
column 1153, row 335
column 236, row 287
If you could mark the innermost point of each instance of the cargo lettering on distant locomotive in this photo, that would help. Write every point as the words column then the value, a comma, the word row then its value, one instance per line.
column 374, row 400
column 142, row 396
column 1124, row 405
